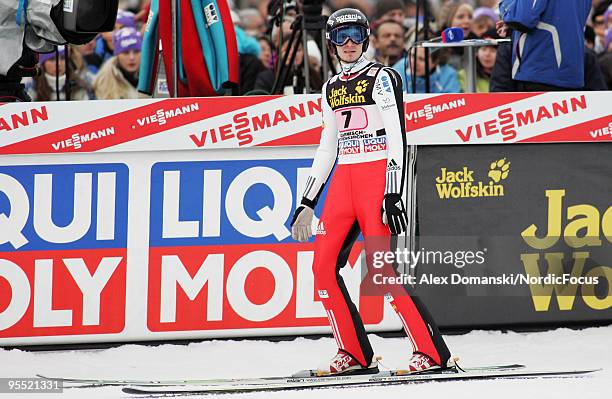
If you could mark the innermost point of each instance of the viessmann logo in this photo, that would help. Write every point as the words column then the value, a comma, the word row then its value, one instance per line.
column 429, row 111
column 25, row 118
column 463, row 184
column 508, row 120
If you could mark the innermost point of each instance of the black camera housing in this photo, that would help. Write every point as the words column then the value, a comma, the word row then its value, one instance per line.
column 81, row 23
column 90, row 16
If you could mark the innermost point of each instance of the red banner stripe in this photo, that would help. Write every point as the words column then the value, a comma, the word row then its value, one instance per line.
column 308, row 137
column 601, row 127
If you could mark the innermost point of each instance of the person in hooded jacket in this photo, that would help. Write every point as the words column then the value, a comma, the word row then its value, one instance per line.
column 548, row 42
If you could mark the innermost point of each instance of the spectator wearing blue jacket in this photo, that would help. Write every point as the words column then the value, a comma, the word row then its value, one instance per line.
column 548, row 42
column 443, row 78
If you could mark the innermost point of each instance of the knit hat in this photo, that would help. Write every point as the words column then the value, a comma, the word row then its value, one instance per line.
column 126, row 39
column 42, row 58
column 126, row 19
column 384, row 6
column 487, row 12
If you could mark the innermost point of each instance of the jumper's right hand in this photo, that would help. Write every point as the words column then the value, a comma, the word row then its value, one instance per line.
column 301, row 224
column 394, row 214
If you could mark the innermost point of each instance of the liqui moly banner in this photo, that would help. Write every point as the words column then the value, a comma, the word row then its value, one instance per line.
column 145, row 250
column 221, row 252
column 63, row 249
column 240, row 122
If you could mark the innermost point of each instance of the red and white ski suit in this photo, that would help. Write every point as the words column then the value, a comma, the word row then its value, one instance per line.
column 363, row 128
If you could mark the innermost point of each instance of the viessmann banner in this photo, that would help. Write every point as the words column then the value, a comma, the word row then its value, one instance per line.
column 541, row 217
column 97, row 244
column 242, row 122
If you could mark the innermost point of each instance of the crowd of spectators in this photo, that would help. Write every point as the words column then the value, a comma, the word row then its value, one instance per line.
column 107, row 67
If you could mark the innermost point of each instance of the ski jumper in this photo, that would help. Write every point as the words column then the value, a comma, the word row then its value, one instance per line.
column 364, row 129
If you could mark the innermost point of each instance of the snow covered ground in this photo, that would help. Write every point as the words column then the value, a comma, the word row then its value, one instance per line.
column 562, row 348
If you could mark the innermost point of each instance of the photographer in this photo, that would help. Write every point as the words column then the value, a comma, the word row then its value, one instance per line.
column 36, row 26
column 295, row 80
column 283, row 26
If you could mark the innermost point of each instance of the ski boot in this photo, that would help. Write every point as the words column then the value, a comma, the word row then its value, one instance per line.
column 343, row 363
column 420, row 362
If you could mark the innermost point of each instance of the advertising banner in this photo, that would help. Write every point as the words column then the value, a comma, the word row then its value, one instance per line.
column 102, row 248
column 63, row 249
column 242, row 122
column 219, row 231
column 488, row 118
column 536, row 221
column 170, row 218
column 159, row 124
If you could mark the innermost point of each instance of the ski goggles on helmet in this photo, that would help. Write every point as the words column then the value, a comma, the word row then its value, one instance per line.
column 356, row 33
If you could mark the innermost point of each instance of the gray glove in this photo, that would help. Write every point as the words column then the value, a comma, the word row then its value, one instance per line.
column 301, row 224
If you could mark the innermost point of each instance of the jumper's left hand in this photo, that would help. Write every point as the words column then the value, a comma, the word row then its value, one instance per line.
column 301, row 224
column 394, row 213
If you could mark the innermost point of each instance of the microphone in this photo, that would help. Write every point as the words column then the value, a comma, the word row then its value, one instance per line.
column 452, row 35
column 449, row 35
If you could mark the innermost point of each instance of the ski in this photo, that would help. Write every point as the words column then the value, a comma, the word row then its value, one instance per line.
column 94, row 382
column 298, row 383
